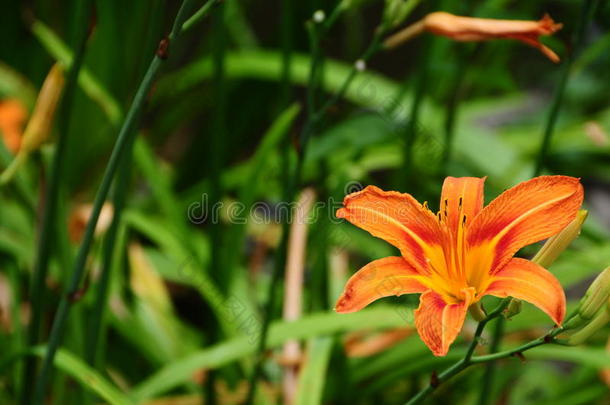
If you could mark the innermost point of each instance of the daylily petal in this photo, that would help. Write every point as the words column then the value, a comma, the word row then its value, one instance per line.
column 439, row 323
column 400, row 220
column 527, row 213
column 526, row 280
column 461, row 196
column 378, row 279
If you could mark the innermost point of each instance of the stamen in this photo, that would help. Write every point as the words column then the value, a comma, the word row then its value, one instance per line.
column 425, row 205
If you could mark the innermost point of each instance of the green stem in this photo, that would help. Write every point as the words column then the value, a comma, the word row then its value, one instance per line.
column 97, row 326
column 374, row 46
column 315, row 69
column 286, row 81
column 221, row 267
column 410, row 134
column 123, row 140
column 286, row 36
column 463, row 363
column 490, row 369
column 586, row 14
column 285, row 87
column 469, row 360
column 99, row 306
column 198, row 15
column 48, row 225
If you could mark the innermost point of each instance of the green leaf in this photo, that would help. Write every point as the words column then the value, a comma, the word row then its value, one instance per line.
column 88, row 377
column 313, row 373
column 269, row 143
column 180, row 371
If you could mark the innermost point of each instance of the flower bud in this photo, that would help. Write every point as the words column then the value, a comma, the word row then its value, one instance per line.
column 396, row 11
column 558, row 243
column 461, row 28
column 600, row 320
column 477, row 312
column 513, row 308
column 39, row 127
column 596, row 296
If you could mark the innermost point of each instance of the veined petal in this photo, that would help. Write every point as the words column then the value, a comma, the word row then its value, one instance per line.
column 400, row 220
column 461, row 196
column 526, row 280
column 439, row 323
column 378, row 279
column 527, row 213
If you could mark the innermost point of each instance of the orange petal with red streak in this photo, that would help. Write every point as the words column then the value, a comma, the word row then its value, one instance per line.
column 398, row 219
column 461, row 195
column 526, row 280
column 529, row 212
column 439, row 323
column 380, row 278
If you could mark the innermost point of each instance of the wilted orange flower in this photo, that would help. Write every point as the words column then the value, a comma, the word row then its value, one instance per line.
column 463, row 253
column 481, row 29
column 12, row 117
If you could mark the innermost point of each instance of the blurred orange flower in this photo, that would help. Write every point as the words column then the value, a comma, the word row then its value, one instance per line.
column 463, row 253
column 481, row 29
column 77, row 222
column 12, row 118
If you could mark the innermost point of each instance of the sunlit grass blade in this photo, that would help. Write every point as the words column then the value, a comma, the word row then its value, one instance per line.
column 312, row 376
column 86, row 376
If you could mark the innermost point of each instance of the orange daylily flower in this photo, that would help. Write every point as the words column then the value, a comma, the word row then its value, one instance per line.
column 461, row 28
column 463, row 253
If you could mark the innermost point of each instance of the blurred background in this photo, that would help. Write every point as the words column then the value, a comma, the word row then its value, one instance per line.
column 220, row 219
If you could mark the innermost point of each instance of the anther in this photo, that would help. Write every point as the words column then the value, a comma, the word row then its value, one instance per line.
column 464, row 220
column 460, row 203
